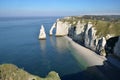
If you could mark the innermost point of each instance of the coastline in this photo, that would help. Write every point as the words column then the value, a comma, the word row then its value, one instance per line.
column 91, row 57
column 99, row 68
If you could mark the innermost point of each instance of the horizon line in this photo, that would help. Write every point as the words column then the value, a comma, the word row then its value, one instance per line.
column 66, row 15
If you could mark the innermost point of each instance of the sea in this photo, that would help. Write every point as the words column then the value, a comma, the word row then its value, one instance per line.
column 19, row 45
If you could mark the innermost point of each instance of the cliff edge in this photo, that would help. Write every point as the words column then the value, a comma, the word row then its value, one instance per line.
column 92, row 32
column 12, row 72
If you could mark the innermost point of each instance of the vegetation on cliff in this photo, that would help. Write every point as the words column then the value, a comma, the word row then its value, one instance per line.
column 104, row 25
column 12, row 72
column 94, row 31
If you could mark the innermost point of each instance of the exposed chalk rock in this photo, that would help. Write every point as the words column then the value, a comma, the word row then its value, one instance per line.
column 74, row 23
column 79, row 32
column 101, row 46
column 71, row 32
column 42, row 34
column 103, row 42
column 92, row 39
column 62, row 28
column 109, row 36
column 67, row 18
column 51, row 30
column 86, row 34
column 88, row 37
column 79, row 28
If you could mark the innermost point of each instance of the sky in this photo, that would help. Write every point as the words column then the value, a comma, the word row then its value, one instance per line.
column 59, row 7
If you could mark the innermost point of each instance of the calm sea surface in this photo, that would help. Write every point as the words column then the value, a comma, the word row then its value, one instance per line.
column 19, row 45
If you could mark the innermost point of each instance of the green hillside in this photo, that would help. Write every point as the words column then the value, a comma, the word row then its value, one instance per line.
column 12, row 72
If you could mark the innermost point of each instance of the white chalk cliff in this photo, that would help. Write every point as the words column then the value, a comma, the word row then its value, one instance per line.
column 82, row 33
column 79, row 30
column 51, row 30
column 62, row 28
column 42, row 34
column 101, row 46
column 89, row 35
column 85, row 34
column 93, row 32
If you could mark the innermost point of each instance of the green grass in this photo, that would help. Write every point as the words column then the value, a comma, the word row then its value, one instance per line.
column 103, row 27
column 12, row 72
column 115, row 29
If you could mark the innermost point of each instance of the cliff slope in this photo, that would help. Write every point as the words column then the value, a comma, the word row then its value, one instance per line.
column 91, row 31
column 12, row 72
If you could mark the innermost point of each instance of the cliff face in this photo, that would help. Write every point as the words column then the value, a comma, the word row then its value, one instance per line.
column 117, row 48
column 81, row 33
column 62, row 28
column 11, row 72
column 90, row 31
column 85, row 34
column 54, row 25
column 113, row 46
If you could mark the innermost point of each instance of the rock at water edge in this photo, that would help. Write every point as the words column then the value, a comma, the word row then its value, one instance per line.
column 42, row 34
column 51, row 30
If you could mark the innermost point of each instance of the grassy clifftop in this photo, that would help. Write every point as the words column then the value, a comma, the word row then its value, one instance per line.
column 105, row 27
column 12, row 72
column 103, row 24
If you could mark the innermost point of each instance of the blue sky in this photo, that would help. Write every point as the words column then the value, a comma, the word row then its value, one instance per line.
column 58, row 7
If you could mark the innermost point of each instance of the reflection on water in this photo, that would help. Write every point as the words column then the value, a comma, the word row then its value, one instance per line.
column 80, row 59
column 37, row 56
column 62, row 44
column 43, row 45
column 52, row 41
column 56, row 54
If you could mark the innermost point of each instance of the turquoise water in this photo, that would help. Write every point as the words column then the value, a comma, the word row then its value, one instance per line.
column 19, row 45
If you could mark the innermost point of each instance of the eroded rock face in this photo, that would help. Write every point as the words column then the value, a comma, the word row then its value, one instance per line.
column 101, row 46
column 51, row 30
column 62, row 28
column 42, row 34
column 85, row 34
column 89, row 35
column 79, row 28
column 117, row 48
column 92, row 42
column 82, row 33
column 79, row 32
